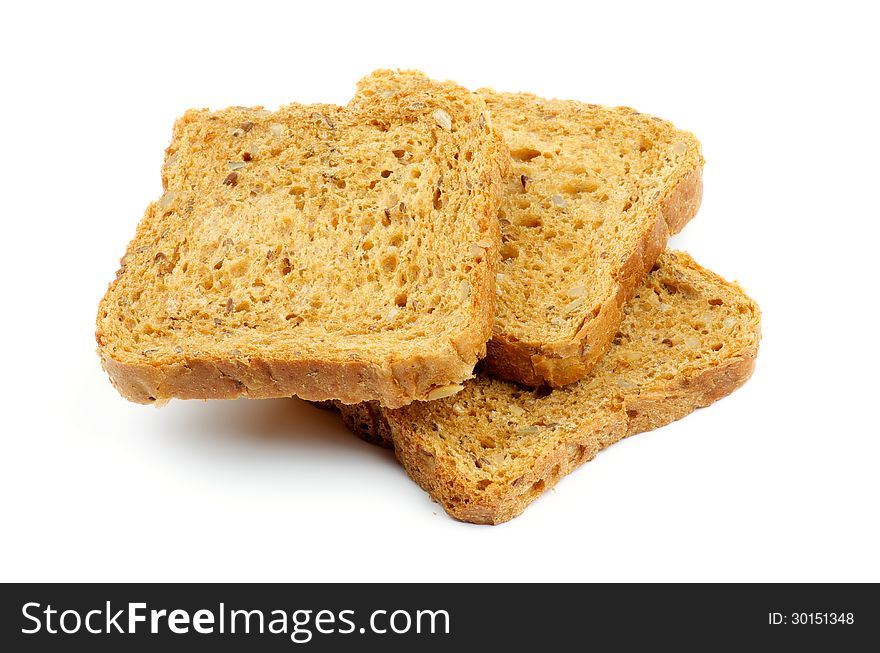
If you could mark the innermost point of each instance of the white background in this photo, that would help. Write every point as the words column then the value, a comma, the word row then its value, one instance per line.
column 777, row 482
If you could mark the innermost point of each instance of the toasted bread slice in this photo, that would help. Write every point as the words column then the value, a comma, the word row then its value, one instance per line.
column 320, row 251
column 593, row 195
column 687, row 339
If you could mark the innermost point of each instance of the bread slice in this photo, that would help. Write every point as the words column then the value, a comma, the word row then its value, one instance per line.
column 687, row 339
column 593, row 195
column 321, row 251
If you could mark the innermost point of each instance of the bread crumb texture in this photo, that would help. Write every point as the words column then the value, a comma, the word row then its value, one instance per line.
column 328, row 252
column 687, row 339
column 593, row 195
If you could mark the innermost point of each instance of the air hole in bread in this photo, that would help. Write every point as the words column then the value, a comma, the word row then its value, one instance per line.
column 536, row 488
column 385, row 174
column 509, row 251
column 578, row 186
column 524, row 154
column 400, row 299
column 389, row 262
column 716, row 302
column 529, row 220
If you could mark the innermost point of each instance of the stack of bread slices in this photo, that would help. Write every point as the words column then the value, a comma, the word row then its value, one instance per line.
column 478, row 280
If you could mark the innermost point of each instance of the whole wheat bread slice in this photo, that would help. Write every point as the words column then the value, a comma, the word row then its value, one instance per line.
column 593, row 195
column 687, row 338
column 321, row 251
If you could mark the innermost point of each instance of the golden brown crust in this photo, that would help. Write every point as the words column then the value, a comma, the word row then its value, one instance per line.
column 636, row 414
column 563, row 362
column 683, row 200
column 350, row 382
column 397, row 383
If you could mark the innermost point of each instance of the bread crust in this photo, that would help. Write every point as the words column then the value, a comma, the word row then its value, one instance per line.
column 350, row 382
column 637, row 413
column 366, row 421
column 565, row 361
